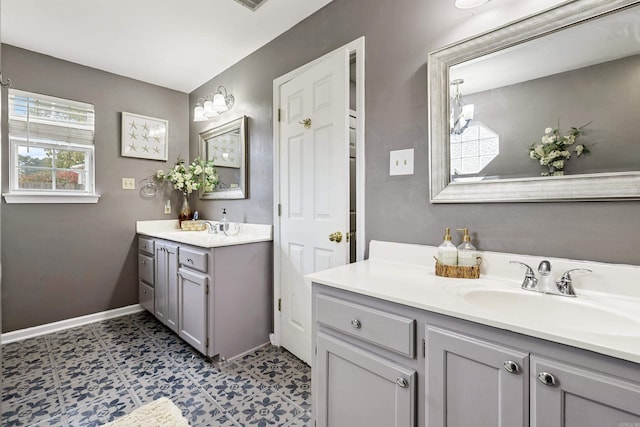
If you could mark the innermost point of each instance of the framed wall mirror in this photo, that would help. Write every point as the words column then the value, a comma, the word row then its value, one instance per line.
column 497, row 101
column 226, row 146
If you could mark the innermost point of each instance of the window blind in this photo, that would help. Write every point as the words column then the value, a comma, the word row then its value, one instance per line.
column 41, row 118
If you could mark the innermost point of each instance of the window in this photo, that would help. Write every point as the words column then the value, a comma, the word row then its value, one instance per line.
column 473, row 150
column 51, row 150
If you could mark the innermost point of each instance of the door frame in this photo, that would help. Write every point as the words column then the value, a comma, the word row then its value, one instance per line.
column 357, row 47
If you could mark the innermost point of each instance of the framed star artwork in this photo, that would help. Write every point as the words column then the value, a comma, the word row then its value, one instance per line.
column 144, row 137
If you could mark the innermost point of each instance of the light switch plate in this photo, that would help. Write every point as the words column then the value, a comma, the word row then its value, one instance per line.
column 128, row 183
column 401, row 162
column 167, row 207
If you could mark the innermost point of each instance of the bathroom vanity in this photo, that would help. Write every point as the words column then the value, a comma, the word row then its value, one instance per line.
column 214, row 291
column 396, row 345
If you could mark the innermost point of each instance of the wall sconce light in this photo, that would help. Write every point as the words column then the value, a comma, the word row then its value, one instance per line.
column 469, row 4
column 212, row 105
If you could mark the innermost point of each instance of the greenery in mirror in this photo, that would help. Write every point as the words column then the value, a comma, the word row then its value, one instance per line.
column 554, row 150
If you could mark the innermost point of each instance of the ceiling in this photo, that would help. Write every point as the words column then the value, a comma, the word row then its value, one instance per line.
column 170, row 43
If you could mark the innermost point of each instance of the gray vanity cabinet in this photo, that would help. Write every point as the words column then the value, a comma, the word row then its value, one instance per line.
column 472, row 382
column 464, row 374
column 360, row 388
column 166, row 283
column 365, row 365
column 566, row 396
column 219, row 300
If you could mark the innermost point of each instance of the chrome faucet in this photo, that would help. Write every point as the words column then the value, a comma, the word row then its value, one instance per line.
column 563, row 286
column 530, row 281
column 213, row 229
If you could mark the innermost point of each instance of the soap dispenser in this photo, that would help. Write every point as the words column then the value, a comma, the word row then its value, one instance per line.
column 447, row 252
column 467, row 253
column 224, row 221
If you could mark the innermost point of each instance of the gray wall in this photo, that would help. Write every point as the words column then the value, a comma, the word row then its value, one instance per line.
column 398, row 37
column 62, row 261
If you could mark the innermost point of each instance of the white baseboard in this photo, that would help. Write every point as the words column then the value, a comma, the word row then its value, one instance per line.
column 23, row 334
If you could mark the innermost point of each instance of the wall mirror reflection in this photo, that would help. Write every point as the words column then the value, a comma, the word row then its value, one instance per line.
column 226, row 146
column 542, row 109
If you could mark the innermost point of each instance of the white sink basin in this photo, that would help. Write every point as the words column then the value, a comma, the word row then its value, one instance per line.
column 575, row 314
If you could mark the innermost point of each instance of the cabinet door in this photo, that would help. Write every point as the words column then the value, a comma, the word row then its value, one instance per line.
column 166, row 284
column 193, row 290
column 160, row 288
column 471, row 382
column 172, row 286
column 567, row 396
column 357, row 388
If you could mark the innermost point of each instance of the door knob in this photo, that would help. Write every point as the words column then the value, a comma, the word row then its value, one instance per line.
column 306, row 123
column 336, row 237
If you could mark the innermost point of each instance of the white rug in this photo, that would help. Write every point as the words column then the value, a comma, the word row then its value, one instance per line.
column 159, row 413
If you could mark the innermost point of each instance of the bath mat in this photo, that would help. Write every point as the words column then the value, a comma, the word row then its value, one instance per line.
column 159, row 413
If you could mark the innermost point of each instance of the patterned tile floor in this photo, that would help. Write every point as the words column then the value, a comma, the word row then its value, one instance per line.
column 91, row 375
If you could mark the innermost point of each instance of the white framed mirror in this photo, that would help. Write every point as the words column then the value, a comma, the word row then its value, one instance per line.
column 493, row 97
column 226, row 146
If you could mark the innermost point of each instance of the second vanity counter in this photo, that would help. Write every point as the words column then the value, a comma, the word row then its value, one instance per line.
column 604, row 323
column 170, row 230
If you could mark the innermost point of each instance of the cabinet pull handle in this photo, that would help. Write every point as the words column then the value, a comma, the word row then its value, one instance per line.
column 190, row 260
column 356, row 323
column 144, row 291
column 511, row 367
column 402, row 382
column 547, row 379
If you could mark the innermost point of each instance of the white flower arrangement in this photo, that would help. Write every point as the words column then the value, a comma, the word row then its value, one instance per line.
column 554, row 150
column 189, row 178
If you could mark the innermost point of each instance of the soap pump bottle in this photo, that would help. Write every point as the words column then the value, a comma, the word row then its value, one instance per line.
column 467, row 253
column 224, row 221
column 447, row 252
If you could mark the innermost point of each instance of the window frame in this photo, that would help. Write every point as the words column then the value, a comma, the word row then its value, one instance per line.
column 53, row 195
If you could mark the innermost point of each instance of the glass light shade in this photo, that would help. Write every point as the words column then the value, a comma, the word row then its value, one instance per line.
column 469, row 4
column 219, row 103
column 467, row 111
column 198, row 113
column 208, row 107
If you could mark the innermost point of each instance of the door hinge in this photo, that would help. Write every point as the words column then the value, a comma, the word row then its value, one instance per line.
column 279, row 209
column 279, row 304
column 279, row 114
column 424, row 348
column 207, row 289
column 206, row 345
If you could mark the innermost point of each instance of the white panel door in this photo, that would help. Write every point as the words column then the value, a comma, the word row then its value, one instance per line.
column 314, row 189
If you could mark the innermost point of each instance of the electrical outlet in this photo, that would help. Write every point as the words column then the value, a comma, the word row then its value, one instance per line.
column 167, row 207
column 401, row 162
column 128, row 183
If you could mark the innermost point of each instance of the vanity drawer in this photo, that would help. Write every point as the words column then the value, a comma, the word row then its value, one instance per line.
column 388, row 330
column 145, row 268
column 145, row 296
column 192, row 258
column 146, row 245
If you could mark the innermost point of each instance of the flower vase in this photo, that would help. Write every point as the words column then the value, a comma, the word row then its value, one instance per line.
column 553, row 171
column 185, row 211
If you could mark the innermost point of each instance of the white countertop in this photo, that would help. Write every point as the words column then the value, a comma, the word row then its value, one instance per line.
column 388, row 276
column 170, row 230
